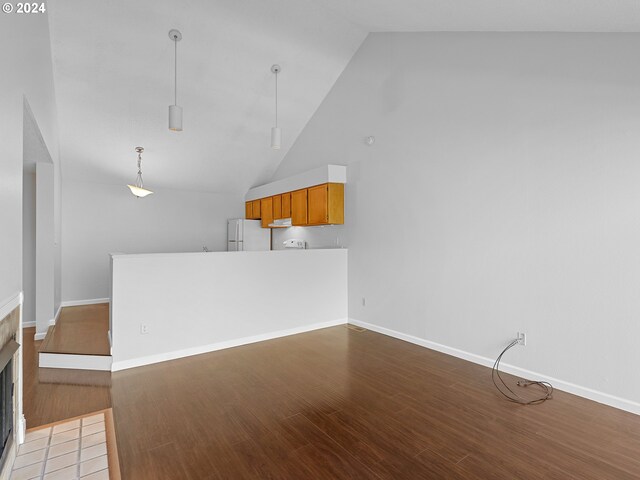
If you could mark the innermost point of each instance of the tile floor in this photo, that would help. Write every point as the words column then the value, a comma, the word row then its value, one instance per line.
column 66, row 451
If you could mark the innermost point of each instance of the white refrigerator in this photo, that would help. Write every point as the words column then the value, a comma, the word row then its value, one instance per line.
column 245, row 235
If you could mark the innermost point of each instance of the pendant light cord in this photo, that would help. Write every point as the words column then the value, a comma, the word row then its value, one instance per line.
column 175, row 77
column 139, row 179
column 276, row 99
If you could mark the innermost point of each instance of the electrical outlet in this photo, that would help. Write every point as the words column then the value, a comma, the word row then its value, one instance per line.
column 364, row 302
column 144, row 329
column 522, row 339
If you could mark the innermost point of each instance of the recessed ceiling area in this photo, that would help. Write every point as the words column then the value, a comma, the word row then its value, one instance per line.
column 490, row 15
column 114, row 74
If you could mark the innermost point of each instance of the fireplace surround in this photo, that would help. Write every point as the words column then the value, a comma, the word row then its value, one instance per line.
column 10, row 385
column 6, row 397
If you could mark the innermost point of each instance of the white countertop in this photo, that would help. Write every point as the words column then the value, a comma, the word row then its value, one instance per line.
column 116, row 255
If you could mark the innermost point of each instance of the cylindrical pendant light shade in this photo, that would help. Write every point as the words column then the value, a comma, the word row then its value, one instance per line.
column 276, row 136
column 175, row 118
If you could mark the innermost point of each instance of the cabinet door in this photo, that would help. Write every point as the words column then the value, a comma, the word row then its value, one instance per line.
column 248, row 210
column 266, row 211
column 255, row 209
column 299, row 207
column 335, row 205
column 286, row 205
column 277, row 207
column 318, row 200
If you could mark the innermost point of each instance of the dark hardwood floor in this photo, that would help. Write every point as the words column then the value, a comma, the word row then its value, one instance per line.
column 51, row 395
column 337, row 403
column 80, row 330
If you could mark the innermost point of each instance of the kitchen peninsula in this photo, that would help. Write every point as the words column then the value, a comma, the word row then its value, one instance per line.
column 166, row 306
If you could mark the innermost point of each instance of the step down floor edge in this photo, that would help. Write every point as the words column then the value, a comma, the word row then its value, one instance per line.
column 75, row 361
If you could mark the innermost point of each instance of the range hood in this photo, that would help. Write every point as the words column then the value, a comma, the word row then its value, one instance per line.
column 281, row 223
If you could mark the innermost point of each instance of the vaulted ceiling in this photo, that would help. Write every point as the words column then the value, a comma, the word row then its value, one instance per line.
column 114, row 68
column 490, row 15
column 113, row 73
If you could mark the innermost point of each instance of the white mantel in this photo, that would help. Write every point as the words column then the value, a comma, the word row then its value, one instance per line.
column 193, row 303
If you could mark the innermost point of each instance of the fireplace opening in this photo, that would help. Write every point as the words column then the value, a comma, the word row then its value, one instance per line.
column 6, row 397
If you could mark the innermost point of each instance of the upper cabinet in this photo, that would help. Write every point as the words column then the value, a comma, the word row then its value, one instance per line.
column 317, row 205
column 325, row 204
column 252, row 210
column 315, row 197
column 277, row 207
column 299, row 207
column 286, row 205
column 266, row 211
column 255, row 209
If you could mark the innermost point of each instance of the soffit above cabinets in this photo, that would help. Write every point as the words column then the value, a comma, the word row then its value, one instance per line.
column 317, row 176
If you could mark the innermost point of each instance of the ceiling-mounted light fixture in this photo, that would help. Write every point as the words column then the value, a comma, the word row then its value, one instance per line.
column 175, row 111
column 138, row 189
column 276, row 134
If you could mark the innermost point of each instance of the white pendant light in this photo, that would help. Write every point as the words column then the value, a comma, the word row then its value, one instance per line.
column 276, row 137
column 138, row 189
column 276, row 133
column 175, row 110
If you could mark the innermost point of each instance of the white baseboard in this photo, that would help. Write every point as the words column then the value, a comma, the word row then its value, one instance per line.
column 52, row 322
column 90, row 301
column 585, row 392
column 187, row 352
column 75, row 362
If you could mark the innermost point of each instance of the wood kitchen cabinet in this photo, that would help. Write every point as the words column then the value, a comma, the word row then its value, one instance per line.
column 326, row 204
column 255, row 209
column 266, row 211
column 318, row 205
column 277, row 207
column 286, row 205
column 299, row 207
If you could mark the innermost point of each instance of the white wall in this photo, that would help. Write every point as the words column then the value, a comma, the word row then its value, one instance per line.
column 501, row 195
column 45, row 247
column 29, row 248
column 57, row 219
column 44, row 281
column 197, row 302
column 100, row 219
column 27, row 72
